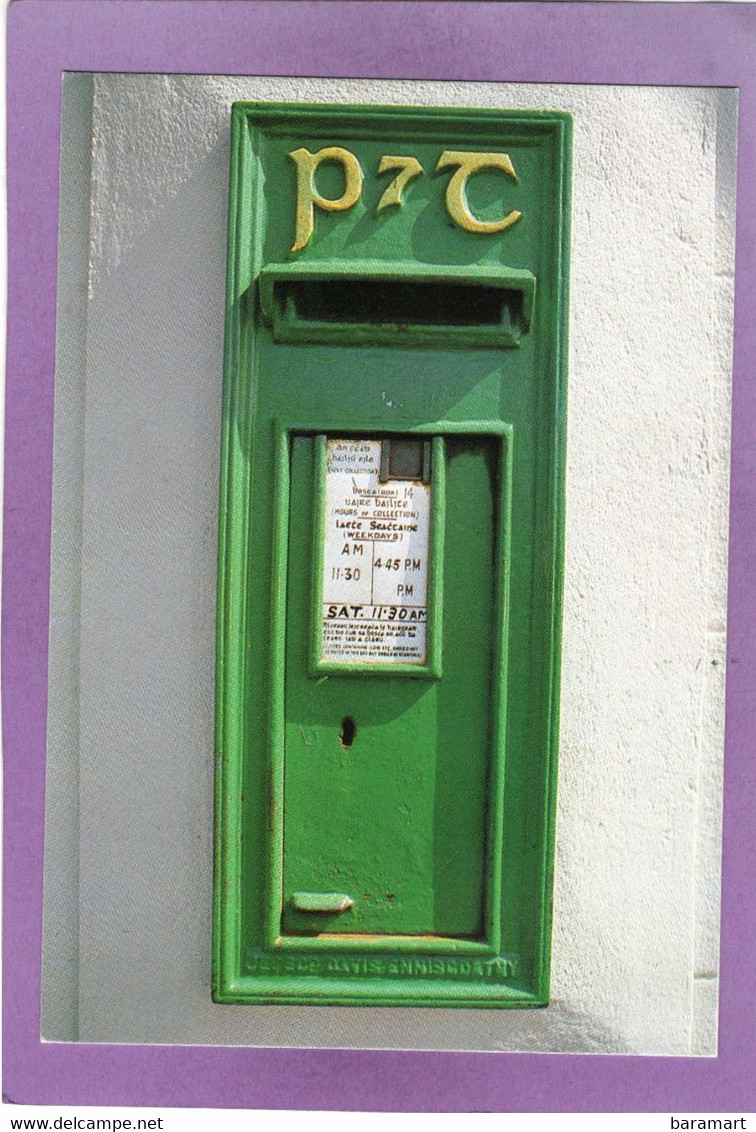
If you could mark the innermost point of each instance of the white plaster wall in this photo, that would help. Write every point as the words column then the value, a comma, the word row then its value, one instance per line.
column 129, row 823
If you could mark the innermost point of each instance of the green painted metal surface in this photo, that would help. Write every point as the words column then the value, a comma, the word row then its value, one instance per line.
column 385, row 818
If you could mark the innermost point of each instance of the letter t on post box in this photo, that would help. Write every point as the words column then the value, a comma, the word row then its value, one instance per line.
column 390, row 568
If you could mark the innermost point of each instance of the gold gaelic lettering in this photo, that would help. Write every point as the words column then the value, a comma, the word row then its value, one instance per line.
column 409, row 167
column 308, row 196
column 456, row 199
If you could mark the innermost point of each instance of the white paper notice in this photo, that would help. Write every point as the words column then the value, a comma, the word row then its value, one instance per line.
column 375, row 562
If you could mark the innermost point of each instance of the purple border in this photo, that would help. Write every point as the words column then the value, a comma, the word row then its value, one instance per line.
column 684, row 44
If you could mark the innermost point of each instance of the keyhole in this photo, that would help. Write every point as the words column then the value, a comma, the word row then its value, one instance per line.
column 348, row 731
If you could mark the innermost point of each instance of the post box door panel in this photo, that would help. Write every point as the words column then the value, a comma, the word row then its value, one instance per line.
column 386, row 778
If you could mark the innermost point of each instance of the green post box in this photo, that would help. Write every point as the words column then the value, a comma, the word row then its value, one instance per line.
column 390, row 556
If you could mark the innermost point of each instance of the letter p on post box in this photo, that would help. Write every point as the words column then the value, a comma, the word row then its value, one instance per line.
column 390, row 561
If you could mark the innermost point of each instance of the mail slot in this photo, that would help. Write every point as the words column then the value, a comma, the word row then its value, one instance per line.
column 390, row 556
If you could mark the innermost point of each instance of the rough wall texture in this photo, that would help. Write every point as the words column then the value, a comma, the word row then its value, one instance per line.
column 129, row 832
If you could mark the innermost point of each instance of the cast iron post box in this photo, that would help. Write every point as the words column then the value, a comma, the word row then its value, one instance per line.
column 390, row 555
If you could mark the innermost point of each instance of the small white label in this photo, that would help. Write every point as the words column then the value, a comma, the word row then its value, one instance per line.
column 375, row 561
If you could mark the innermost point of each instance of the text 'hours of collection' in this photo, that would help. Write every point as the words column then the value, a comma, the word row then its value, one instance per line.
column 375, row 560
